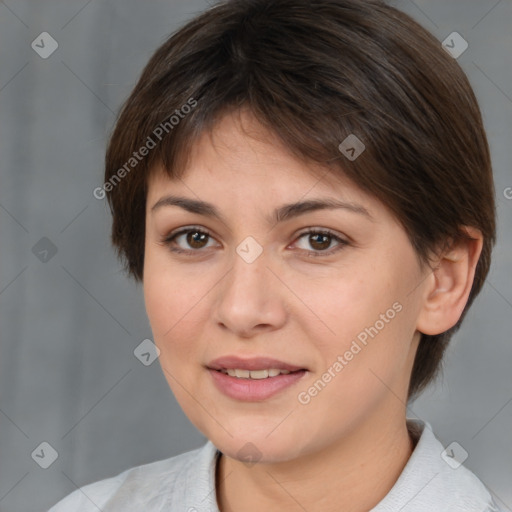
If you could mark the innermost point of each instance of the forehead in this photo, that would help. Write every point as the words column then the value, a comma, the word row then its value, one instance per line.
column 238, row 151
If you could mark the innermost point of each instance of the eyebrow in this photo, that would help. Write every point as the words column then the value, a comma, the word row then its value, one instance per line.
column 281, row 214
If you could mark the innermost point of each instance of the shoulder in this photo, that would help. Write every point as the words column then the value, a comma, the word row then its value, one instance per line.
column 155, row 484
column 464, row 491
column 434, row 478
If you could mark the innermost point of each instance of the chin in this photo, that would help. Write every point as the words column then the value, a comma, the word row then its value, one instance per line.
column 264, row 445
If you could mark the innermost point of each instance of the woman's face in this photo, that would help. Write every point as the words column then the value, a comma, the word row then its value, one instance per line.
column 342, row 307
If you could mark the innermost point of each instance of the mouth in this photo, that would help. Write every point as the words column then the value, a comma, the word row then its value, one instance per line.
column 253, row 380
column 254, row 367
column 255, row 374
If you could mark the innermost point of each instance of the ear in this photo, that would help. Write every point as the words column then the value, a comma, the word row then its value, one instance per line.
column 447, row 289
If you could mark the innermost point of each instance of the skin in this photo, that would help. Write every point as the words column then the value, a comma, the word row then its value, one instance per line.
column 345, row 449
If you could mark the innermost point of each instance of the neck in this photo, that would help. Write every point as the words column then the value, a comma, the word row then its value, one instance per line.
column 352, row 474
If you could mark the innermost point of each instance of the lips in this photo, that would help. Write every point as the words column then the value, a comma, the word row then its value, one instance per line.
column 252, row 364
column 254, row 390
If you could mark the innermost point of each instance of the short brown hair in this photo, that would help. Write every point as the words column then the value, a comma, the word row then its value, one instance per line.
column 313, row 72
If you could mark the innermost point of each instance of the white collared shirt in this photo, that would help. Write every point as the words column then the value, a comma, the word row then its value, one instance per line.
column 429, row 482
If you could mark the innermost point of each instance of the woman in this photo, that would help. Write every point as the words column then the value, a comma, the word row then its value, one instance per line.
column 304, row 189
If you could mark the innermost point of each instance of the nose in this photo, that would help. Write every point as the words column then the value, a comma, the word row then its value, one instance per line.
column 250, row 298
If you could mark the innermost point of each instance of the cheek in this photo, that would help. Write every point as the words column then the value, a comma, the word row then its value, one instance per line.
column 174, row 297
column 173, row 309
column 166, row 291
column 163, row 296
column 339, row 307
column 365, row 315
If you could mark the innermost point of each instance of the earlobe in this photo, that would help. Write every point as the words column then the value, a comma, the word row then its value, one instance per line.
column 447, row 290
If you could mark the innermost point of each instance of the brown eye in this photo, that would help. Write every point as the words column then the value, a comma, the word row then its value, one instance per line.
column 320, row 241
column 196, row 239
column 192, row 240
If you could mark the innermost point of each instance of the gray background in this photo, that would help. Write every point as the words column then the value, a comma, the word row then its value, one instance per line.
column 68, row 375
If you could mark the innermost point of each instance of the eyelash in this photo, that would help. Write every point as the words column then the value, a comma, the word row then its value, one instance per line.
column 169, row 240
